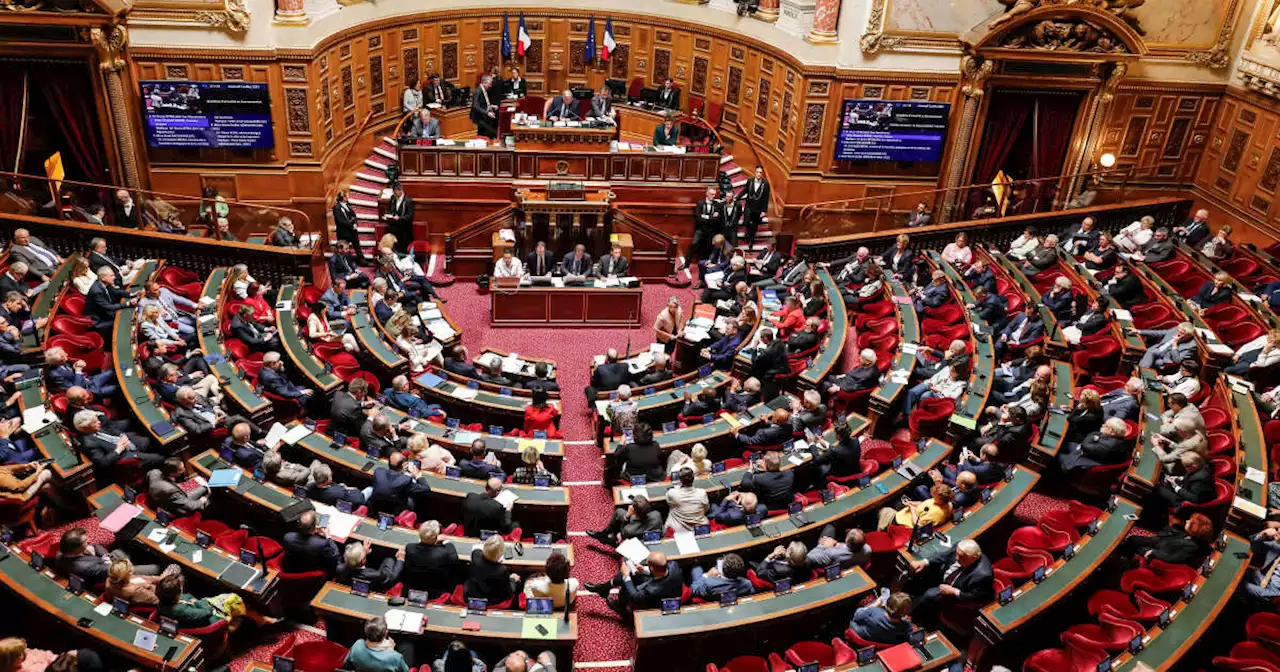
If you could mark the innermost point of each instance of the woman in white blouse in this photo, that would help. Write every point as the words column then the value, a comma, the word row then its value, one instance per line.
column 508, row 266
column 958, row 253
column 1259, row 353
column 240, row 280
column 409, row 340
column 695, row 460
column 155, row 329
column 1024, row 244
column 81, row 277
column 1134, row 238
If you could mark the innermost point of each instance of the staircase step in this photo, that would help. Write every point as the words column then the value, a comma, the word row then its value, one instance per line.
column 370, row 177
column 362, row 202
column 726, row 158
column 732, row 170
column 739, row 183
column 367, row 229
column 388, row 153
column 388, row 140
column 367, row 216
column 360, row 188
column 376, row 165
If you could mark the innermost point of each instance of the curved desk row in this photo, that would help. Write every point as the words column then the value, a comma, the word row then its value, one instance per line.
column 1055, row 344
column 1054, row 428
column 209, row 329
column 44, row 305
column 828, row 355
column 970, row 405
column 1132, row 346
column 317, row 374
column 458, row 441
column 667, row 403
column 1217, row 354
column 275, row 499
column 469, row 401
column 132, row 376
column 1144, row 472
column 214, row 565
column 110, row 633
column 1249, row 508
column 708, row 433
column 69, row 466
column 721, row 483
column 978, row 519
column 782, row 529
column 1030, row 600
column 885, row 396
column 370, row 336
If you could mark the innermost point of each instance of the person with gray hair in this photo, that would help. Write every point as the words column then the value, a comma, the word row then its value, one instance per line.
column 1159, row 249
column 325, row 491
column 1124, row 402
column 431, row 564
column 1175, row 346
column 739, row 396
column 104, row 300
column 376, row 652
column 784, row 562
column 104, row 449
column 864, row 376
column 519, row 661
column 1196, row 485
column 64, row 375
column 1108, row 445
column 199, row 416
column 1042, row 258
column 660, row 371
column 808, row 412
column 623, row 411
column 284, row 234
column 1188, row 439
column 283, row 472
column 273, row 379
column 379, row 434
column 953, row 578
column 354, row 567
column 484, row 112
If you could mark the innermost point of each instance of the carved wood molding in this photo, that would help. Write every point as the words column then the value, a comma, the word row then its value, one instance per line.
column 232, row 16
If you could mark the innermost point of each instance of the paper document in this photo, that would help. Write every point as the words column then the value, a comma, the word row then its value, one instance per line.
column 103, row 609
column 295, row 434
column 197, row 556
column 275, row 434
column 1256, row 475
column 167, row 548
column 507, row 498
column 1249, row 507
column 120, row 517
column 1220, row 349
column 341, row 524
column 404, row 621
column 686, row 543
column 158, row 535
column 225, row 478
column 628, row 494
column 464, row 393
column 634, row 550
column 1122, row 315
column 512, row 365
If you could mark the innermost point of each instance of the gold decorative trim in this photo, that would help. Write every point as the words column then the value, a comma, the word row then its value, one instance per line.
column 233, row 16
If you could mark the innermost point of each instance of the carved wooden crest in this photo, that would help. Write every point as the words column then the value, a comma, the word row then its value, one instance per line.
column 1072, row 30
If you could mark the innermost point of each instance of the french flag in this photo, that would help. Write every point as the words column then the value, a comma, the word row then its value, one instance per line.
column 608, row 44
column 522, row 38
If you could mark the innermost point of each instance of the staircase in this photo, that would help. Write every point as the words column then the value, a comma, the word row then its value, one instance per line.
column 367, row 188
column 738, row 177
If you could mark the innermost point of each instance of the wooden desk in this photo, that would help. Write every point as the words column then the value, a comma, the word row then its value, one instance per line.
column 275, row 499
column 370, row 336
column 636, row 124
column 43, row 306
column 833, row 345
column 886, row 395
column 109, row 634
column 1251, row 447
column 970, row 405
column 1054, row 428
column 979, row 518
column 1144, row 471
column 423, row 163
column 209, row 330
column 547, row 136
column 70, row 468
column 214, row 562
column 317, row 374
column 710, row 434
column 500, row 630
column 1055, row 344
column 132, row 377
column 566, row 306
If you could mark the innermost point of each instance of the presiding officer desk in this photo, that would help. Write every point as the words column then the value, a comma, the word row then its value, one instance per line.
column 254, row 494
column 588, row 304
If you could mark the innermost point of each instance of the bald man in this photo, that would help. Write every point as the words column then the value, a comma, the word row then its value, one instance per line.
column 308, row 549
column 642, row 588
column 485, row 512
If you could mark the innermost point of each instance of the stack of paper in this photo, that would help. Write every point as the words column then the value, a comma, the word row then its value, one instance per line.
column 512, row 364
column 35, row 419
column 295, row 434
column 507, row 498
column 465, row 438
column 405, row 621
column 686, row 543
column 487, row 358
column 275, row 434
column 464, row 393
column 341, row 525
column 628, row 494
column 440, row 330
column 634, row 550
column 1121, row 315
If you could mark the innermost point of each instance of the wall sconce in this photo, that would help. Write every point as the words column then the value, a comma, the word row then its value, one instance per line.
column 1107, row 160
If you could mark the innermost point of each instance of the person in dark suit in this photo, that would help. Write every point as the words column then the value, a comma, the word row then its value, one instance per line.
column 920, row 216
column 400, row 218
column 457, row 362
column 766, row 264
column 345, row 220
column 402, row 398
column 1102, row 255
column 98, row 258
column 344, row 267
column 842, row 459
column 961, row 576
column 354, row 568
column 643, row 456
column 706, row 403
column 666, row 134
column 899, row 259
column 1024, row 328
column 540, row 380
column 806, row 339
column 540, row 262
column 739, row 396
column 1195, row 230
column 1125, row 288
column 1195, row 486
column 563, row 108
column 775, row 487
column 104, row 450
column 127, row 213
column 484, row 114
column 784, row 562
column 769, row 361
column 1214, row 292
column 1124, row 402
column 397, row 487
column 63, row 375
column 1095, row 318
column 325, row 491
column 348, row 408
column 1105, row 446
column 992, row 308
column 14, row 280
column 244, row 452
column 669, row 95
column 430, row 564
column 614, row 263
column 105, row 299
column 437, row 91
column 1185, row 544
column 755, row 195
column 257, row 337
column 864, row 376
column 378, row 434
column 734, row 213
column 629, row 522
column 645, row 588
column 612, row 374
column 308, row 549
column 488, row 577
column 425, row 127
column 493, row 375
column 707, row 222
column 1079, row 237
column 577, row 262
column 284, row 234
column 884, row 621
column 978, row 275
column 485, row 512
column 90, row 561
column 272, row 378
column 515, row 85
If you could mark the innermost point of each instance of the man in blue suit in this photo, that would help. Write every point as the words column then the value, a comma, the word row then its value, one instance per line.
column 105, row 299
column 308, row 549
column 1022, row 329
column 64, row 376
column 401, row 397
column 935, row 294
column 644, row 587
column 271, row 378
column 242, row 448
column 480, row 465
column 577, row 262
column 956, row 577
column 398, row 487
column 564, row 108
column 1124, row 402
column 729, row 577
column 325, row 491
column 884, row 621
column 775, row 432
column 733, row 509
column 991, row 307
column 979, row 275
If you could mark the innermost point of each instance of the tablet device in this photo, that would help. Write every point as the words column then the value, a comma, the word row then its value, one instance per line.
column 541, row 538
column 538, row 606
column 343, row 506
column 701, row 530
column 652, row 536
column 282, row 664
column 782, row 586
column 418, row 598
column 247, row 557
column 476, row 605
column 671, row 605
column 360, row 587
column 75, row 584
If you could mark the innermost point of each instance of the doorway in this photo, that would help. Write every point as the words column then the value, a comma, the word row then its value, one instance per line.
column 1026, row 137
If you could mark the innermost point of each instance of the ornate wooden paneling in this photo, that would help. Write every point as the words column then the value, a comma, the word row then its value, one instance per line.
column 620, row 61
column 492, row 55
column 699, row 83
column 533, row 58
column 762, row 98
column 449, row 60
column 577, row 57
column 1160, row 127
column 375, row 75
column 661, row 65
column 410, row 65
column 1241, row 164
column 734, row 90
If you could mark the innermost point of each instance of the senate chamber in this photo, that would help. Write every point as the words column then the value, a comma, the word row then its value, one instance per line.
column 694, row 335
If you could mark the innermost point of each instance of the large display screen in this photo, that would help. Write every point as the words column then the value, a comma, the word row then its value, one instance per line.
column 210, row 115
column 892, row 130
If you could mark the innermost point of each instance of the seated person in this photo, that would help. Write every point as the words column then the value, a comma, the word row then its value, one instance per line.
column 353, row 568
column 401, row 397
column 376, row 652
column 273, row 379
column 933, row 511
column 531, row 468
column 1124, row 288
column 1124, row 402
column 687, row 505
column 1022, row 329
column 91, row 562
column 432, row 564
column 645, row 588
column 660, row 372
column 563, row 108
column 555, row 583
column 488, row 577
column 1194, row 486
column 540, row 380
column 706, row 403
column 325, row 491
column 854, row 550
column 774, row 487
column 622, row 411
column 1178, row 544
column 283, row 472
column 948, row 383
column 398, row 486
column 722, row 351
column 629, row 522
column 1214, row 292
column 483, row 511
column 482, row 464
column 864, row 376
column 666, row 134
column 189, row 612
column 243, row 450
column 138, row 590
column 309, row 549
column 457, row 362
column 577, row 263
column 784, row 562
column 955, row 577
column 739, row 396
column 1105, row 446
column 979, row 276
column 1185, row 381
column 884, row 621
column 806, row 339
column 729, row 577
column 842, row 459
column 104, row 449
column 808, row 412
column 164, row 493
column 734, row 508
column 991, row 307
column 611, row 374
column 775, row 432
column 642, row 456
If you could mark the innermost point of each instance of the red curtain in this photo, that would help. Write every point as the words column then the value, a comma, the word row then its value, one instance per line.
column 1008, row 113
column 69, row 94
column 11, row 122
column 1057, row 116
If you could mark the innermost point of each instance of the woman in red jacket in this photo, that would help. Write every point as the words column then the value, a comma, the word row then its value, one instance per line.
column 541, row 416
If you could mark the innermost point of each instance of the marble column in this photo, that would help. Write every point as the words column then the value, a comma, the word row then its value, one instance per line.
column 768, row 11
column 976, row 71
column 826, row 15
column 110, row 44
column 292, row 12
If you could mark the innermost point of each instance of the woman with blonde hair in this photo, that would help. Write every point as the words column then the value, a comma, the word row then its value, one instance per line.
column 696, row 460
column 409, row 340
column 488, row 578
column 1086, row 416
column 430, row 456
column 239, row 279
column 122, row 583
column 157, row 330
column 531, row 468
column 958, row 253
column 82, row 278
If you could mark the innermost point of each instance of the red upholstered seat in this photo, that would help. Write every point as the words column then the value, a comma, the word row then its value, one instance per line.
column 1248, row 657
column 1076, row 656
column 1112, row 634
column 742, row 664
column 1159, row 578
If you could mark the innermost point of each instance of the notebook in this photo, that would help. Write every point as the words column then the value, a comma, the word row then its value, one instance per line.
column 900, row 658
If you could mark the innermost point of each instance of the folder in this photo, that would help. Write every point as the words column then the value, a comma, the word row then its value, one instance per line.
column 900, row 658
